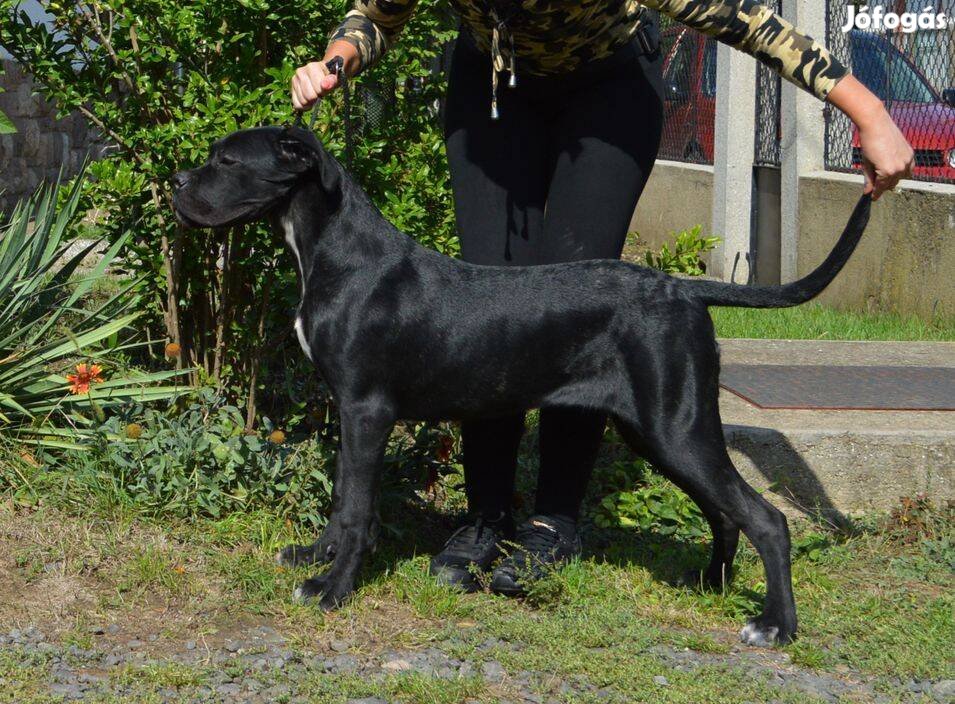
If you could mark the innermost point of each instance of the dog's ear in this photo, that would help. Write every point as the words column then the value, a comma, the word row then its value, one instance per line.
column 302, row 157
column 296, row 154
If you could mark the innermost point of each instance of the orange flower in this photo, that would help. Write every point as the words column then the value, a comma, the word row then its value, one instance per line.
column 134, row 431
column 276, row 437
column 86, row 375
column 173, row 350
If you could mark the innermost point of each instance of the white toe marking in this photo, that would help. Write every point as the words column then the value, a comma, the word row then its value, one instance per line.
column 298, row 594
column 752, row 635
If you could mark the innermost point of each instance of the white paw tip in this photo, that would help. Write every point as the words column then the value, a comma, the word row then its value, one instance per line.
column 751, row 634
column 298, row 595
column 278, row 558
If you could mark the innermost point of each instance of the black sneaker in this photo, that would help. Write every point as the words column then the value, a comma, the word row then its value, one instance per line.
column 543, row 542
column 471, row 549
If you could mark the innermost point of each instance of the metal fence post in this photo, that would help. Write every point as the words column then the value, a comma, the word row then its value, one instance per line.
column 733, row 163
column 803, row 135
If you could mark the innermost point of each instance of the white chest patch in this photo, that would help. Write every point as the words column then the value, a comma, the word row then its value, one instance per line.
column 300, row 334
column 290, row 240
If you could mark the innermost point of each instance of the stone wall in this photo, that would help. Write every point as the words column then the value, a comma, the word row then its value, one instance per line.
column 905, row 260
column 677, row 196
column 42, row 144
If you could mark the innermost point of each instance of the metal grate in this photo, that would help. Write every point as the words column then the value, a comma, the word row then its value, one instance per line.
column 844, row 388
column 768, row 95
column 912, row 72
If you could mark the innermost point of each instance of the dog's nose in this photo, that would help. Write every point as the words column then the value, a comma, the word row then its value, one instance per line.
column 179, row 180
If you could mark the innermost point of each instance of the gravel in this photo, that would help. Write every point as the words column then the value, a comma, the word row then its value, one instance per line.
column 260, row 667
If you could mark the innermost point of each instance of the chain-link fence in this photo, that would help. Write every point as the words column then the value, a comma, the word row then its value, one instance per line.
column 768, row 93
column 908, row 65
column 689, row 80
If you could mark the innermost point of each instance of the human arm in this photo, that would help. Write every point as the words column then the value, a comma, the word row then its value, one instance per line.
column 887, row 156
column 363, row 37
column 757, row 30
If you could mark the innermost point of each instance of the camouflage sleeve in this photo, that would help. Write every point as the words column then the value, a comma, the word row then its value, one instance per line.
column 757, row 30
column 372, row 27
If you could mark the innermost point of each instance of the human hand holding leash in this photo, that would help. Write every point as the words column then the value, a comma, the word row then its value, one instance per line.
column 335, row 71
column 316, row 79
column 887, row 157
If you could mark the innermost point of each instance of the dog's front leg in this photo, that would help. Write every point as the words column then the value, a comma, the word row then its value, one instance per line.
column 325, row 548
column 365, row 430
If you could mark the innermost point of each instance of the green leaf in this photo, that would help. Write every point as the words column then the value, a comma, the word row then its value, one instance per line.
column 6, row 124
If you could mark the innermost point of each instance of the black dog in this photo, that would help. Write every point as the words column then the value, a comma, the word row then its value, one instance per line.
column 401, row 332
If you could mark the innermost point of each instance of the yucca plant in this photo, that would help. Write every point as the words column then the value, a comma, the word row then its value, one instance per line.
column 46, row 333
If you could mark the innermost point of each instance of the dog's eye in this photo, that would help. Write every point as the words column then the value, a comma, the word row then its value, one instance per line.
column 227, row 160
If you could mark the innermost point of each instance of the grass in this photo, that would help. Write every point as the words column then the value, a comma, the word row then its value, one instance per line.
column 817, row 322
column 874, row 603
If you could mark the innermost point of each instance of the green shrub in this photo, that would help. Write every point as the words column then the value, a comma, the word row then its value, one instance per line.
column 195, row 460
column 162, row 80
column 686, row 257
column 639, row 499
column 201, row 460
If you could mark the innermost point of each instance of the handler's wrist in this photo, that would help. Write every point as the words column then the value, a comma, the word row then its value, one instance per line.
column 348, row 52
column 870, row 113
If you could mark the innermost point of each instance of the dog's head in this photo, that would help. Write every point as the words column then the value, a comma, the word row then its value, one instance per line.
column 249, row 173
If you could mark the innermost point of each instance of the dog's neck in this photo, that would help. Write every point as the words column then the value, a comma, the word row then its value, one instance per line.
column 327, row 232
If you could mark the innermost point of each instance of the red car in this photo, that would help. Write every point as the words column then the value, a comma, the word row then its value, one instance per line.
column 926, row 118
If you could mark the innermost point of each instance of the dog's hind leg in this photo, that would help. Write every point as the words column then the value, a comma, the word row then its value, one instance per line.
column 696, row 460
column 365, row 430
column 719, row 572
column 702, row 467
column 725, row 532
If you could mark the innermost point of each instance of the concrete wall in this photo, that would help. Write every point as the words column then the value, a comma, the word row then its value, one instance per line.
column 677, row 196
column 906, row 260
column 42, row 144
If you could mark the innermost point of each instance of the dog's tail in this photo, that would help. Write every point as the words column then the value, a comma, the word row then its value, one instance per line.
column 717, row 293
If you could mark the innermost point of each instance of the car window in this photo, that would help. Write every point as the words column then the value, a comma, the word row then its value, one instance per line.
column 677, row 76
column 884, row 71
column 709, row 68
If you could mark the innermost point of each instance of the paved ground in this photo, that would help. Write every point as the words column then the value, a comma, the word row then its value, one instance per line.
column 841, row 461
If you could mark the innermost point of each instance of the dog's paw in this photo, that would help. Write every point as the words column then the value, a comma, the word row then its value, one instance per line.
column 309, row 590
column 297, row 555
column 328, row 594
column 761, row 634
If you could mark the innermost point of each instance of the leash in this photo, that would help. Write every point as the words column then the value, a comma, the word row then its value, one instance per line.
column 336, row 66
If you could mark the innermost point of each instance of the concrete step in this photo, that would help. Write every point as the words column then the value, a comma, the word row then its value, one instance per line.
column 835, row 463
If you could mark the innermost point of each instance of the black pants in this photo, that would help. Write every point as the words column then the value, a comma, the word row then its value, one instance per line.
column 554, row 179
